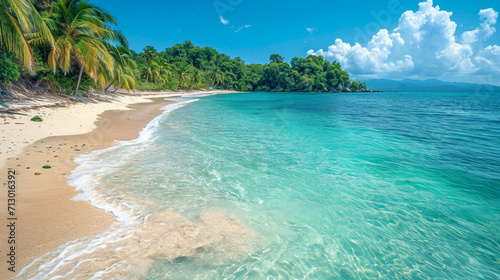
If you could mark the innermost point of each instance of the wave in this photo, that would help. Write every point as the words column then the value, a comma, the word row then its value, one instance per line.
column 137, row 240
column 126, row 252
column 88, row 177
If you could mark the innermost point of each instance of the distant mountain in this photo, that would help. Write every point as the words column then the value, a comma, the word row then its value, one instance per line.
column 426, row 85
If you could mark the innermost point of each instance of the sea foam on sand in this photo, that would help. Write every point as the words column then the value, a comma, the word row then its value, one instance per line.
column 126, row 252
column 137, row 240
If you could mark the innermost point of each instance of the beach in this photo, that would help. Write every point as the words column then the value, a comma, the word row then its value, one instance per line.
column 47, row 217
column 256, row 185
column 163, row 141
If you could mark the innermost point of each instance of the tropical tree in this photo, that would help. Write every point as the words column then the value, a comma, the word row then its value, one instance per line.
column 149, row 53
column 164, row 67
column 216, row 75
column 155, row 72
column 192, row 66
column 276, row 58
column 20, row 22
column 306, row 83
column 123, row 76
column 196, row 78
column 82, row 32
column 42, row 5
column 8, row 68
column 144, row 71
column 184, row 77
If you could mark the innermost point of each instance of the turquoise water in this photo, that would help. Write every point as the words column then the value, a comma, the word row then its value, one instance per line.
column 321, row 186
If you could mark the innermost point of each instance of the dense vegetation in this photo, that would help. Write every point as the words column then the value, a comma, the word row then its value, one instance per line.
column 187, row 66
column 71, row 45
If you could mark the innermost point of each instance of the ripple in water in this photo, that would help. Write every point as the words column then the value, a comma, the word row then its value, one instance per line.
column 316, row 186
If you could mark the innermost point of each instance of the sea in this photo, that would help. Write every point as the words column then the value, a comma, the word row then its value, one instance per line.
column 296, row 186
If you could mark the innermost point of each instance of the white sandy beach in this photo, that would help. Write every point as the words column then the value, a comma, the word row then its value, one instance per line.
column 47, row 217
column 74, row 119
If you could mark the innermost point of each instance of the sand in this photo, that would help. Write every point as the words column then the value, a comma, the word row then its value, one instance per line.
column 46, row 215
column 78, row 118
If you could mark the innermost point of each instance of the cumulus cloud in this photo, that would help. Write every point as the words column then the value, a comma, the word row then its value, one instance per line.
column 424, row 43
column 223, row 20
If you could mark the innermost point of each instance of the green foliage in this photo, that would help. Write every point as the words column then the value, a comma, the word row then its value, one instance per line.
column 148, row 54
column 8, row 68
column 53, row 38
column 84, row 39
column 188, row 66
column 312, row 73
column 276, row 58
column 20, row 27
column 66, row 84
column 36, row 119
column 57, row 81
column 74, row 45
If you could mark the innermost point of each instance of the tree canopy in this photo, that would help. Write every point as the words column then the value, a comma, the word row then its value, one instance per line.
column 73, row 44
column 204, row 67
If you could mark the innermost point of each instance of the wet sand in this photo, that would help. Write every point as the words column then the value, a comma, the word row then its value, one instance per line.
column 46, row 215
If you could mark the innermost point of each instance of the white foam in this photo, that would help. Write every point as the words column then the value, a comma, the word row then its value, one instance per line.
column 137, row 240
column 88, row 177
column 124, row 252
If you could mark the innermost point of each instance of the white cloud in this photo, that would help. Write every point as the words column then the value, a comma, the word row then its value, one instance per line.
column 243, row 27
column 311, row 30
column 424, row 44
column 224, row 21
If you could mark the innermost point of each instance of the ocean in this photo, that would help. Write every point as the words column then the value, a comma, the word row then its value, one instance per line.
column 297, row 186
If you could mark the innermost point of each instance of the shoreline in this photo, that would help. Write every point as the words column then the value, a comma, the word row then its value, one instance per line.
column 47, row 217
column 63, row 116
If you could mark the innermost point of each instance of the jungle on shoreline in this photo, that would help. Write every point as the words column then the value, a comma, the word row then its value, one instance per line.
column 69, row 46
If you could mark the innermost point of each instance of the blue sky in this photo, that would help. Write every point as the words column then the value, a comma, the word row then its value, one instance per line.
column 255, row 29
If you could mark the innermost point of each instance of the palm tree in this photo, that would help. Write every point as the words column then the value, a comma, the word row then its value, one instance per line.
column 159, row 71
column 184, row 77
column 19, row 22
column 144, row 71
column 81, row 30
column 164, row 67
column 42, row 5
column 154, row 72
column 122, row 77
column 196, row 78
column 149, row 53
column 216, row 75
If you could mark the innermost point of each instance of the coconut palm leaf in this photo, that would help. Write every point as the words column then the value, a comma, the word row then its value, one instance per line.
column 19, row 22
column 84, row 39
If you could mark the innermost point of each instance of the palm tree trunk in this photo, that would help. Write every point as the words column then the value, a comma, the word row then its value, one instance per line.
column 37, row 84
column 79, row 80
column 147, row 75
column 109, row 85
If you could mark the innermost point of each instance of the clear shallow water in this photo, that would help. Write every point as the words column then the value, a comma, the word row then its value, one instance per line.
column 316, row 186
